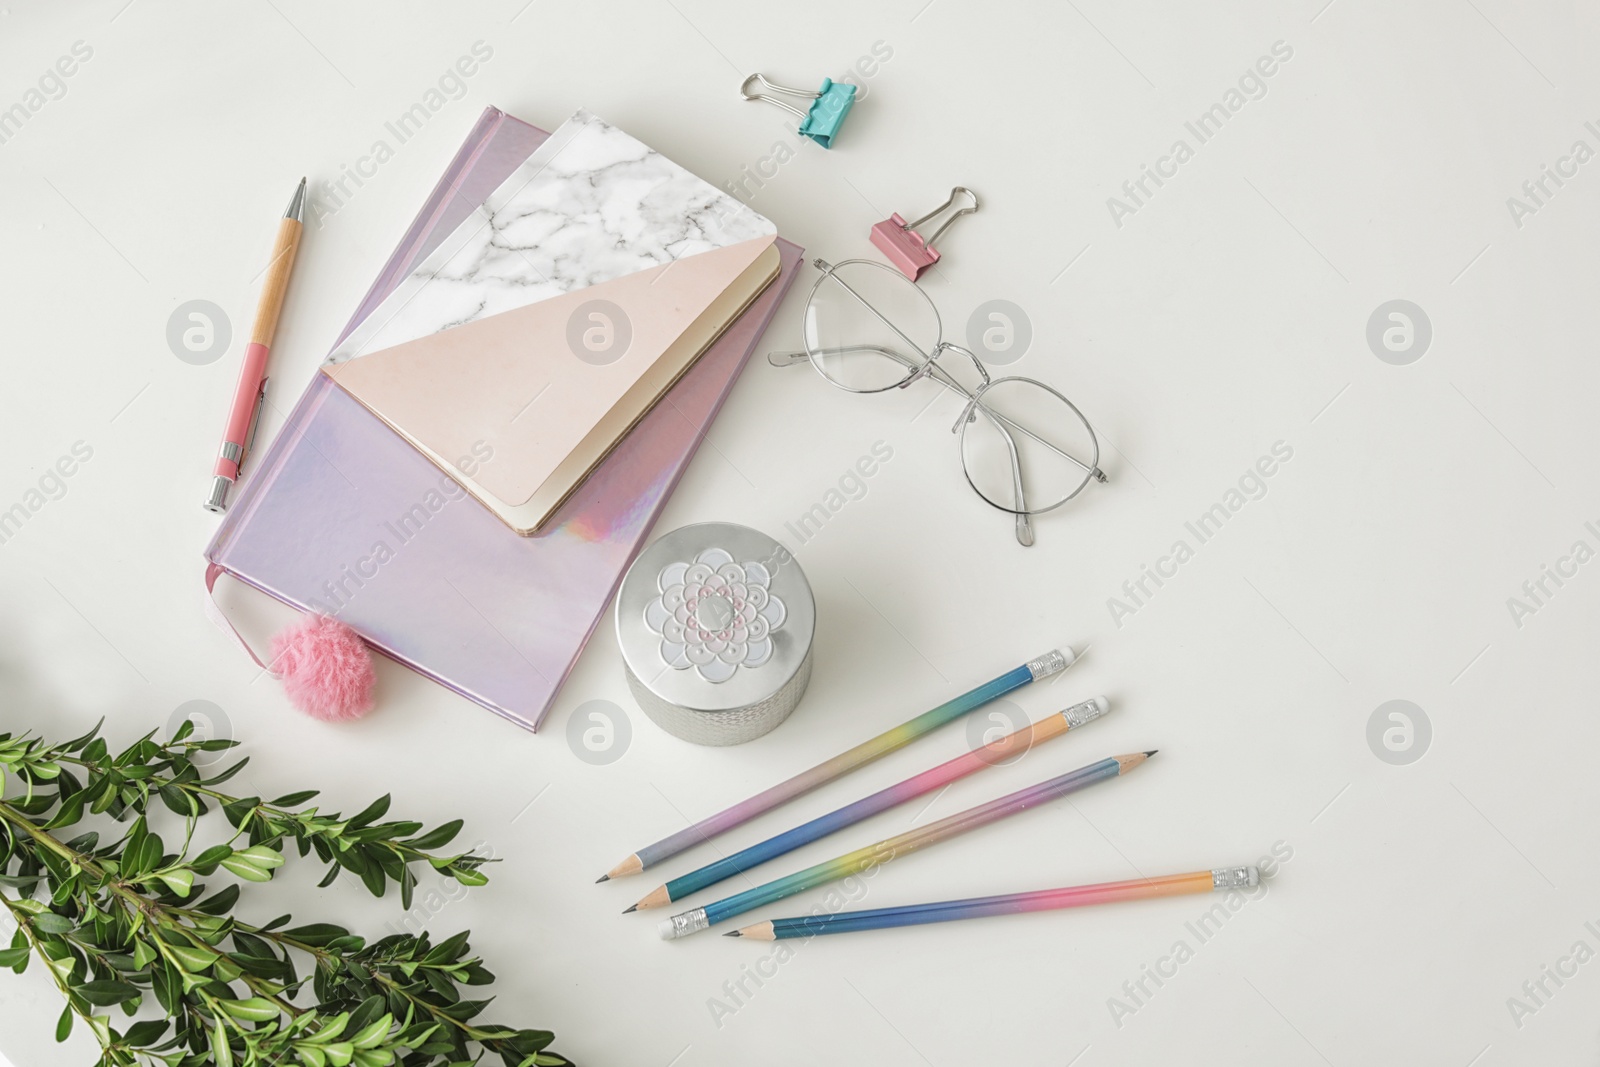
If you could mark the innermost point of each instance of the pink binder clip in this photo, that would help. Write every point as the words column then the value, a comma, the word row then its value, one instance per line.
column 907, row 249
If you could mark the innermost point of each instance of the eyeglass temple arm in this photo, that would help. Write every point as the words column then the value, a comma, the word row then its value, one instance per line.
column 794, row 358
column 1024, row 523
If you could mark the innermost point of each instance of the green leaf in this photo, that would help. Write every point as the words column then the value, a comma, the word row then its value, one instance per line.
column 150, row 853
column 478, row 974
column 148, row 1032
column 180, row 881
column 255, row 1010
column 316, row 934
column 106, row 992
column 469, row 878
column 219, row 903
column 373, row 877
column 449, row 950
column 84, row 842
column 167, row 983
column 436, row 838
column 180, row 802
column 263, row 857
column 370, row 813
column 462, row 1010
column 290, row 800
column 207, row 861
column 70, row 813
column 237, row 810
column 142, row 955
column 78, row 742
column 191, row 959
column 50, row 923
column 221, row 1051
column 64, row 1024
column 246, row 870
column 67, row 784
column 311, row 1055
column 373, row 1034
column 101, row 1025
column 225, row 775
column 331, row 1029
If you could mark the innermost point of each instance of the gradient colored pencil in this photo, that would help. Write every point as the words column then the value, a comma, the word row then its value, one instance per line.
column 696, row 919
column 945, row 911
column 998, row 751
column 1053, row 662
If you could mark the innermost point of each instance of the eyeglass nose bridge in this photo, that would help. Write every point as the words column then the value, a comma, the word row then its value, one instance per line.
column 929, row 366
column 969, row 413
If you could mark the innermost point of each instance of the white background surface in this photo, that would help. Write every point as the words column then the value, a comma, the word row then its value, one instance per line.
column 1227, row 314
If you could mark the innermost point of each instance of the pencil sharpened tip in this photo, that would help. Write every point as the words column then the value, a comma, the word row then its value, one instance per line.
column 733, row 933
column 1151, row 751
column 630, row 909
column 297, row 205
column 602, row 878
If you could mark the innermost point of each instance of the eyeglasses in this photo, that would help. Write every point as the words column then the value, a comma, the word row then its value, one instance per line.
column 870, row 329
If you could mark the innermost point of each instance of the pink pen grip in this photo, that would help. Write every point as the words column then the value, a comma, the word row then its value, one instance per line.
column 241, row 411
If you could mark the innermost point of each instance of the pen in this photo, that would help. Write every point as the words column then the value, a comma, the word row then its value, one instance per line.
column 239, row 434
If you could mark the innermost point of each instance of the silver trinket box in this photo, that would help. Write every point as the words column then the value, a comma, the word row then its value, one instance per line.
column 715, row 623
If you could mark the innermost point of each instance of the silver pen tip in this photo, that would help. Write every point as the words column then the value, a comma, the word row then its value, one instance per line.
column 297, row 204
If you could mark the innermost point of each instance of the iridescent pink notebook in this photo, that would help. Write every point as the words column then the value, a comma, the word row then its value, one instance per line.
column 342, row 516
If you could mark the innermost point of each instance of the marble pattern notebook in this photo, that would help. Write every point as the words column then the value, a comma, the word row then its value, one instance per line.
column 590, row 204
column 556, row 314
column 341, row 515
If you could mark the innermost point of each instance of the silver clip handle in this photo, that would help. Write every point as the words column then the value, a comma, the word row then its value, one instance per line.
column 955, row 194
column 772, row 91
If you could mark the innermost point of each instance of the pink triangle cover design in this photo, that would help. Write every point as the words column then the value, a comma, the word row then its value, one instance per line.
column 341, row 515
column 512, row 379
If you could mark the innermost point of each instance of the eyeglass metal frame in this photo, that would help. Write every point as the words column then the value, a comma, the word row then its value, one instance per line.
column 928, row 367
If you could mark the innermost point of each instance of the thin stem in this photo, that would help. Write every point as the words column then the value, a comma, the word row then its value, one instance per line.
column 138, row 904
column 24, row 923
column 266, row 811
column 323, row 956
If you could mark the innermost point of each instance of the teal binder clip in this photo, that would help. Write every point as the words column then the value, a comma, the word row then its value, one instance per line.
column 821, row 121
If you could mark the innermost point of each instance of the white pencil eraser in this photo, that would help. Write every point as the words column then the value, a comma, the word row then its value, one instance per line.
column 666, row 930
column 1070, row 656
column 1103, row 704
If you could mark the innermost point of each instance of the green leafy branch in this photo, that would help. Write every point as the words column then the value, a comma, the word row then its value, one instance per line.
column 128, row 922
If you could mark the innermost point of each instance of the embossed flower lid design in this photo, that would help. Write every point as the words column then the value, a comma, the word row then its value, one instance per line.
column 715, row 615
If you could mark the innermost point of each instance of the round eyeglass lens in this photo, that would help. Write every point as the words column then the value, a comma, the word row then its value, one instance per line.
column 869, row 328
column 1026, row 448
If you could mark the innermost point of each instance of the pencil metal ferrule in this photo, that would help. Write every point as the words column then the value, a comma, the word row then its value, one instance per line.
column 1086, row 711
column 689, row 922
column 1235, row 878
column 1053, row 662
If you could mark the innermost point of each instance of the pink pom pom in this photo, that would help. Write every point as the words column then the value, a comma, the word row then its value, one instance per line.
column 326, row 669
